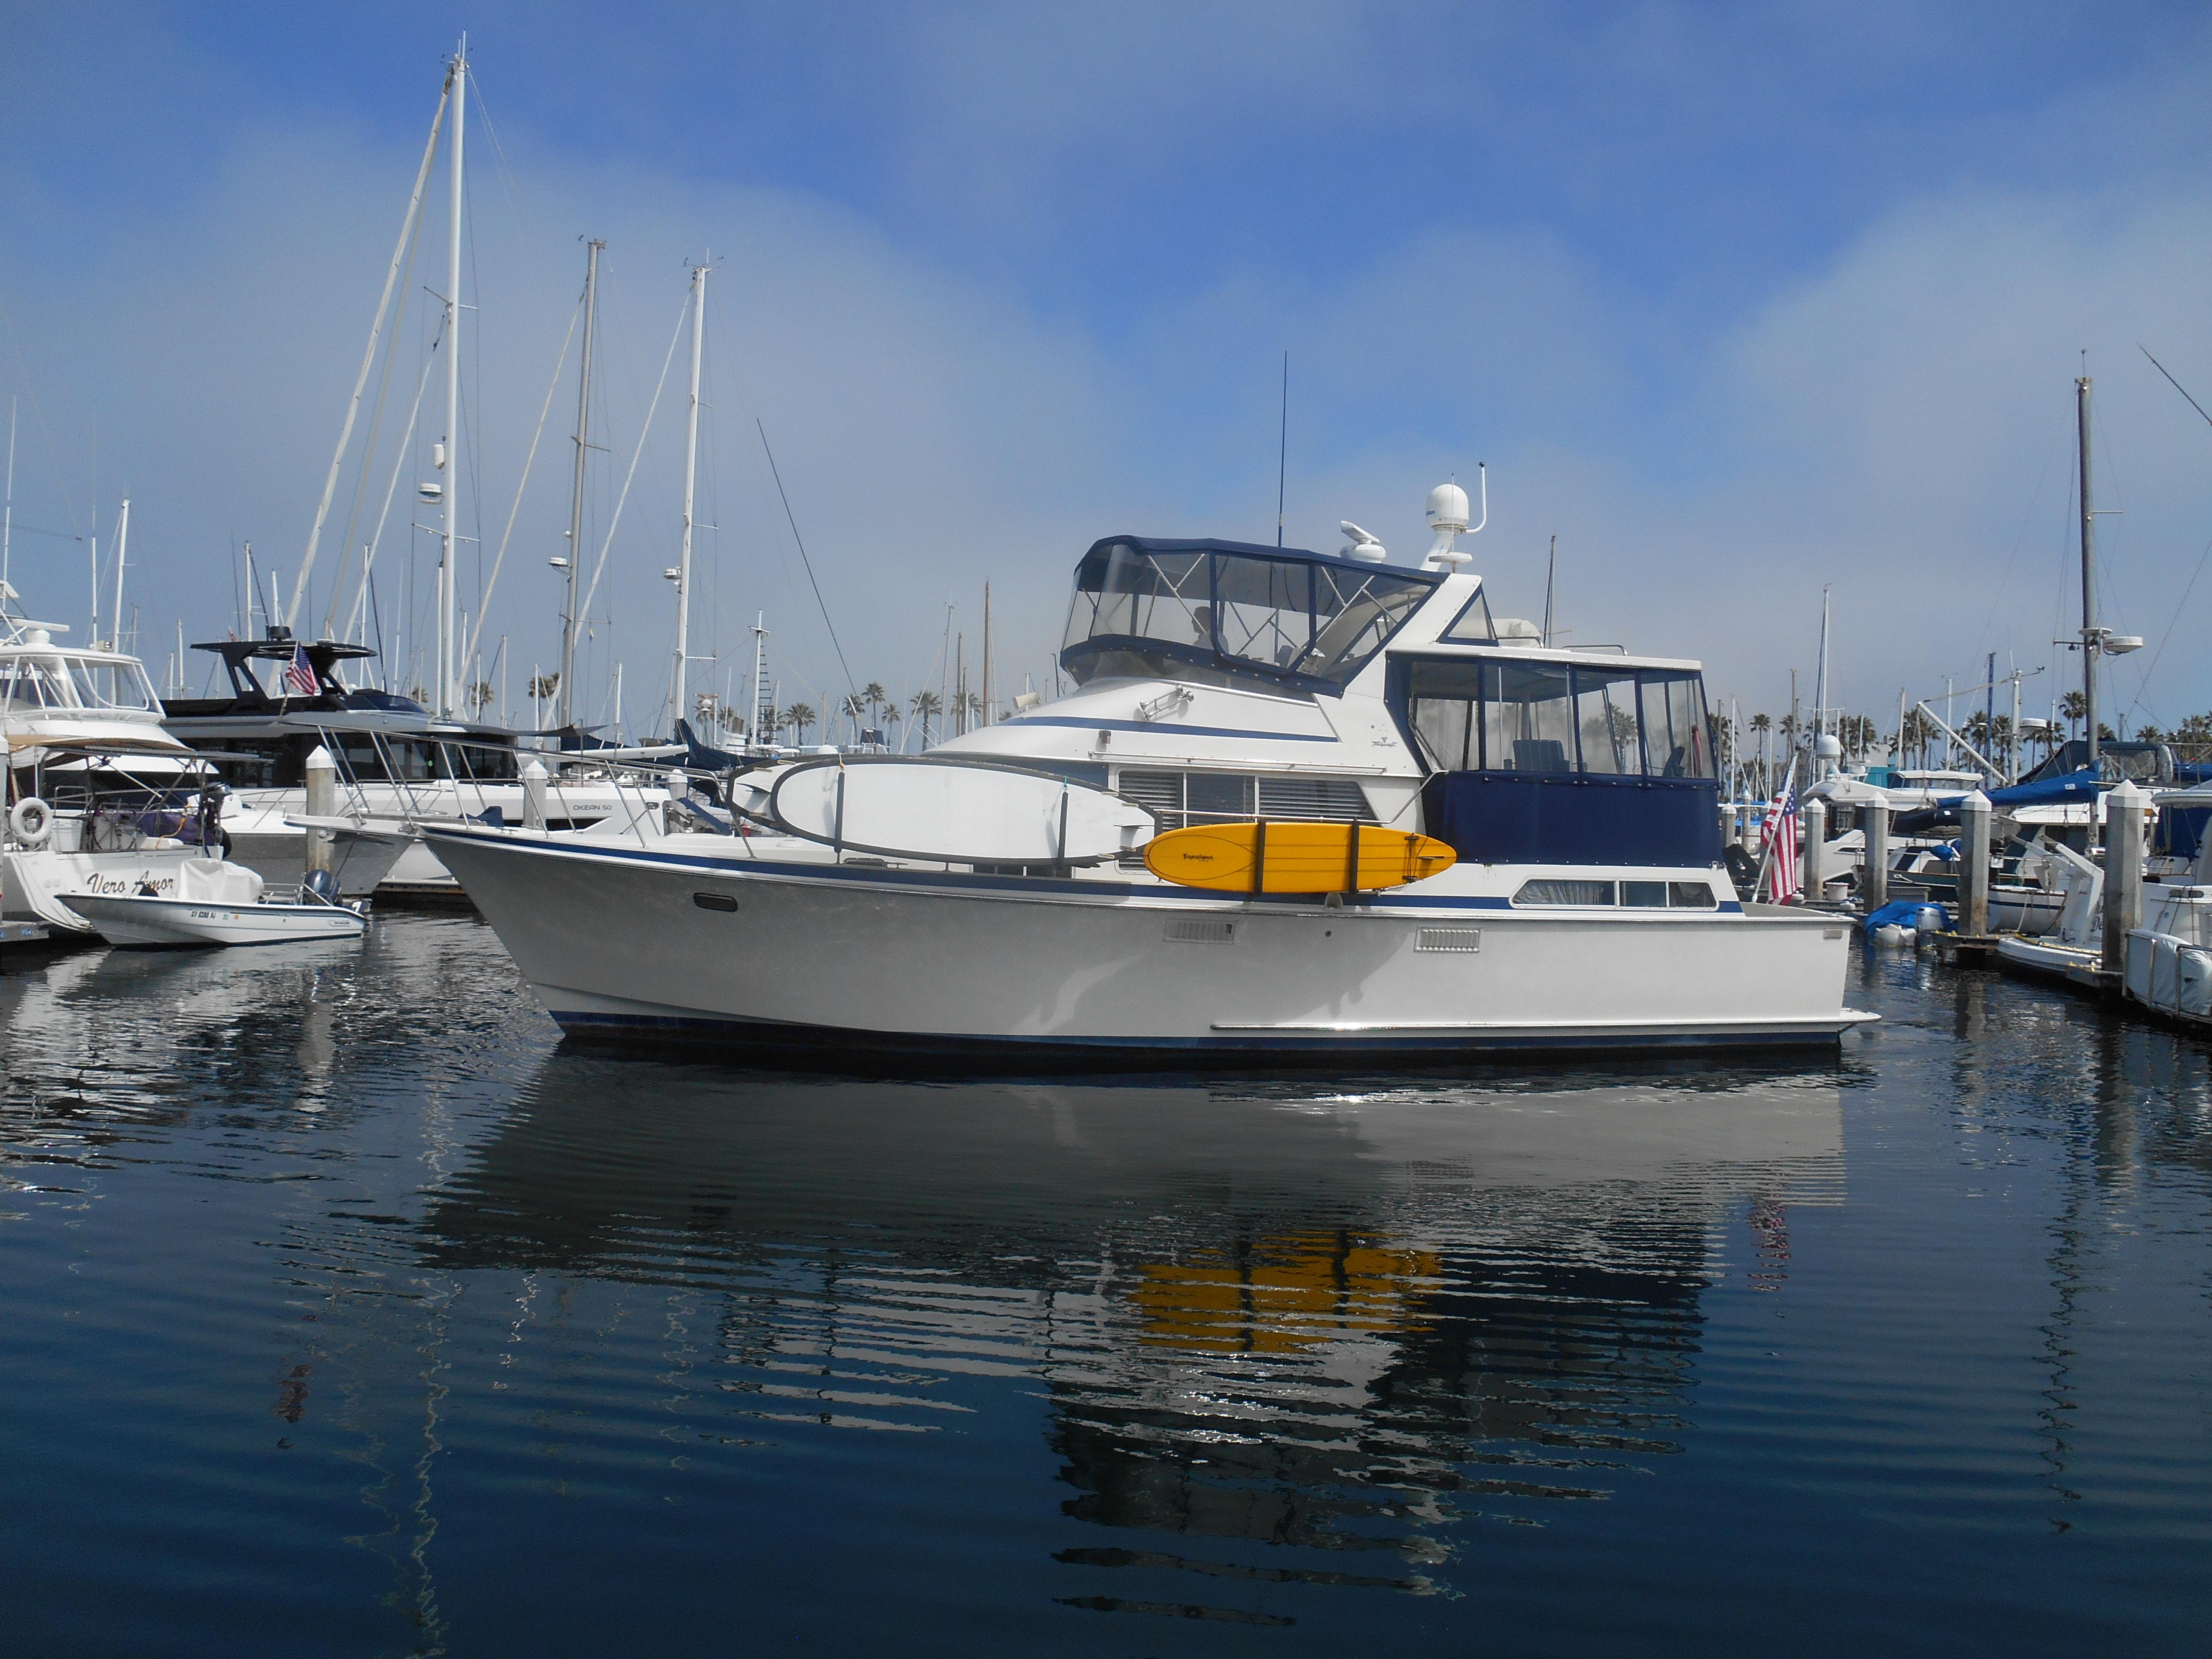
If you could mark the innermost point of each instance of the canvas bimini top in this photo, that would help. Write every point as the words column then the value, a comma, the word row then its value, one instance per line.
column 1228, row 613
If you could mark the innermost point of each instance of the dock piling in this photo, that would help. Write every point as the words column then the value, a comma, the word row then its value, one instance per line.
column 1816, row 847
column 533, row 795
column 1974, row 865
column 322, row 802
column 1873, row 876
column 2124, row 808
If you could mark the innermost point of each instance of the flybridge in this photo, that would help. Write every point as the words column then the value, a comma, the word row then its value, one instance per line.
column 278, row 647
column 1228, row 612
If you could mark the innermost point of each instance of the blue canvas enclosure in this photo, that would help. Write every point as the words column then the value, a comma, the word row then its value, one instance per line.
column 1548, row 762
column 1491, row 817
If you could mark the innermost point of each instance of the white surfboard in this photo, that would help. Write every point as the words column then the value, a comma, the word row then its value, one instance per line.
column 955, row 812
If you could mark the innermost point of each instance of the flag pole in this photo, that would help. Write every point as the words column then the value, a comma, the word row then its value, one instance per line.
column 1766, row 831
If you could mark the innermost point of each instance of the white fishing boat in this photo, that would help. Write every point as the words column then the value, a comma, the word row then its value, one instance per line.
column 1227, row 684
column 101, row 798
column 91, row 783
column 216, row 903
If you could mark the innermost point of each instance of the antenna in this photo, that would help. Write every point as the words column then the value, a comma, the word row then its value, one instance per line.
column 1282, row 448
column 1551, row 575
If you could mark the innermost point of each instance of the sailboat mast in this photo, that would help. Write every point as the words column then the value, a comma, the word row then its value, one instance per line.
column 8, row 512
column 1820, row 685
column 569, row 618
column 2089, row 638
column 448, row 568
column 690, row 484
column 759, row 678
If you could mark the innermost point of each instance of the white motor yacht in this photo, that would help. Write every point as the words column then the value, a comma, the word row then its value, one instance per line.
column 1218, row 683
column 96, row 790
column 398, row 763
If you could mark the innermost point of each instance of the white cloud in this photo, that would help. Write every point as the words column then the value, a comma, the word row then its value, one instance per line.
column 1892, row 422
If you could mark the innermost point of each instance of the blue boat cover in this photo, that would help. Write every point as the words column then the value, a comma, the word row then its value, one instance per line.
column 1906, row 913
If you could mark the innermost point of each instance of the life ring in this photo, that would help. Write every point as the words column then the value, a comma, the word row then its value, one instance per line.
column 32, row 820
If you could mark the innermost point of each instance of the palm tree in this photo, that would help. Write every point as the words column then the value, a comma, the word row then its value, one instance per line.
column 854, row 709
column 874, row 695
column 2075, row 706
column 926, row 705
column 1914, row 736
column 798, row 717
column 1763, row 723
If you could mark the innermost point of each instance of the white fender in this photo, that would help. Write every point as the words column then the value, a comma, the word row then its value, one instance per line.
column 32, row 820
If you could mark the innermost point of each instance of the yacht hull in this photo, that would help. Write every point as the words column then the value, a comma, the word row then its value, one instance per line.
column 788, row 959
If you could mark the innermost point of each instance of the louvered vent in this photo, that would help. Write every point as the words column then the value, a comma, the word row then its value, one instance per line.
column 1195, row 931
column 1449, row 938
column 1313, row 801
column 1159, row 793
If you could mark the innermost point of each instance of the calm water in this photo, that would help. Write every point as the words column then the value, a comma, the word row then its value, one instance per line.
column 346, row 1313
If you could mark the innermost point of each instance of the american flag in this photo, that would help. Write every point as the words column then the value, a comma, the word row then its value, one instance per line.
column 1780, row 834
column 300, row 674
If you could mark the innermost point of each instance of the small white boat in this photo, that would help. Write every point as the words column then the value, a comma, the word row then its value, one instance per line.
column 216, row 903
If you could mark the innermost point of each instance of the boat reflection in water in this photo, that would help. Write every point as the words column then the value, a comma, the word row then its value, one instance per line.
column 1338, row 1320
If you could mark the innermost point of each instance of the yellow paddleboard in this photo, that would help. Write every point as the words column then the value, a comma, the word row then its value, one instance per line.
column 1294, row 857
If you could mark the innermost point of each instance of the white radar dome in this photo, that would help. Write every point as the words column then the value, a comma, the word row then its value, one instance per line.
column 1448, row 507
column 1828, row 746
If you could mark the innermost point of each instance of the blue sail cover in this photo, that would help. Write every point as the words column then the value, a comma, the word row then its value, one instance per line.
column 2060, row 791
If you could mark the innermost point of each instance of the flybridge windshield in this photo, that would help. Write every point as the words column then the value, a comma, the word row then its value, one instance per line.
column 59, row 681
column 1221, row 612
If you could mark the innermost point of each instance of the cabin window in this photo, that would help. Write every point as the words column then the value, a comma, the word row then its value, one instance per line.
column 1473, row 626
column 1605, row 720
column 1675, row 741
column 1552, row 719
column 1564, row 893
column 28, row 683
column 1212, row 796
column 113, row 684
column 1528, row 721
column 1631, row 894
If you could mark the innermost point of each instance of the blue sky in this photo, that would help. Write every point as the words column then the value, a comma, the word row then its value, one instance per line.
column 1739, row 301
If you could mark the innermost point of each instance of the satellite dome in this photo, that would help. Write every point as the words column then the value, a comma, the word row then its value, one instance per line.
column 1448, row 507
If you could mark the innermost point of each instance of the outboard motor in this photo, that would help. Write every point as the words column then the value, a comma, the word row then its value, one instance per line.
column 321, row 887
column 212, row 835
